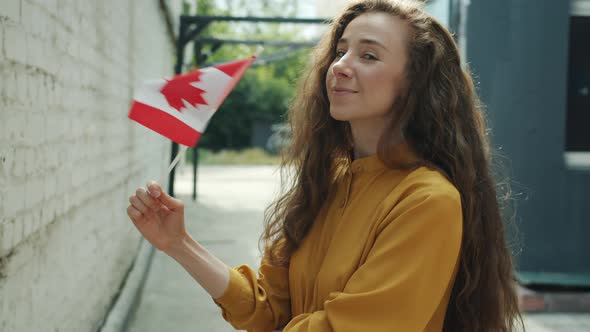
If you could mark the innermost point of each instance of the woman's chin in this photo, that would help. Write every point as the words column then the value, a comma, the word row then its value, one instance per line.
column 339, row 116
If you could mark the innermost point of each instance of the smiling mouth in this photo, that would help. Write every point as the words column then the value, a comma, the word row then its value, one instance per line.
column 342, row 92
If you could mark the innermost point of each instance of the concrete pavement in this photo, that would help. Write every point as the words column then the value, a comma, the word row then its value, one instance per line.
column 227, row 219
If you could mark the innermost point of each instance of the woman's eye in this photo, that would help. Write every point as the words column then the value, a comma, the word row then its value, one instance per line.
column 340, row 53
column 369, row 56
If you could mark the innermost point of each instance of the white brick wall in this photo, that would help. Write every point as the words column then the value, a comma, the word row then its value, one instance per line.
column 69, row 157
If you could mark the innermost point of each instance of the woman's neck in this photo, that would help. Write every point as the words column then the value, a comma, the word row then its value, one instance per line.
column 365, row 136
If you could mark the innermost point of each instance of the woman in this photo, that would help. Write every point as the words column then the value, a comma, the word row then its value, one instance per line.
column 391, row 222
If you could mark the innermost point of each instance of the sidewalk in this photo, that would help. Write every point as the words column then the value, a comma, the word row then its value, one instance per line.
column 227, row 219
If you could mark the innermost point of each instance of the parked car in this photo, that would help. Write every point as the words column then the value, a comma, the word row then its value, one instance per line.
column 280, row 137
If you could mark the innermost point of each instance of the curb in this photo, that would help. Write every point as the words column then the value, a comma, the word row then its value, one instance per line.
column 120, row 314
column 553, row 301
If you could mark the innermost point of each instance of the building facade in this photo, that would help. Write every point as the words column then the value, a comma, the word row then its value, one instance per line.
column 69, row 157
column 531, row 64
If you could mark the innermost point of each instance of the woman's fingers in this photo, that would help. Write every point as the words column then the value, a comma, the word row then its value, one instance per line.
column 138, row 204
column 133, row 213
column 146, row 199
column 155, row 191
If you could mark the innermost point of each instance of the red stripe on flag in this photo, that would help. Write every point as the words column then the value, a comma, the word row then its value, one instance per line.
column 236, row 70
column 164, row 124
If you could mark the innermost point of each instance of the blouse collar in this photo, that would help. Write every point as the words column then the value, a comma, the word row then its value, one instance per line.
column 402, row 154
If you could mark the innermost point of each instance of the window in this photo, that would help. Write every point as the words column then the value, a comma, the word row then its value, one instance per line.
column 577, row 154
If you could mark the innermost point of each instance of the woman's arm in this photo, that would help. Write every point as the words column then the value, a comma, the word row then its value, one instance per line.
column 210, row 272
column 160, row 219
column 248, row 301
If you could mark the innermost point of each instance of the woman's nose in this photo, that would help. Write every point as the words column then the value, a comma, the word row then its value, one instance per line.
column 342, row 68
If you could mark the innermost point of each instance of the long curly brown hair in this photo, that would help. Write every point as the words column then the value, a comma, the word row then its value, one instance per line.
column 440, row 117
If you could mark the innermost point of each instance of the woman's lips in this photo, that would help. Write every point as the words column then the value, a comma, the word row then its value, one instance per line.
column 342, row 91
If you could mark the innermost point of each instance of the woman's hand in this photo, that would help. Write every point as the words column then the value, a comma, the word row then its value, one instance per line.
column 158, row 216
column 160, row 219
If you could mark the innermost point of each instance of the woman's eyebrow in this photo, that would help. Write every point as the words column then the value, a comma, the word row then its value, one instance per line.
column 365, row 41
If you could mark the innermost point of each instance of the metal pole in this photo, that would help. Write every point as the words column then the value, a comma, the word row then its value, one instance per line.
column 199, row 62
column 180, row 43
column 201, row 18
column 195, row 163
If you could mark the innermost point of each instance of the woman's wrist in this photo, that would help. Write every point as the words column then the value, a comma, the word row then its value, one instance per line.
column 211, row 273
column 182, row 247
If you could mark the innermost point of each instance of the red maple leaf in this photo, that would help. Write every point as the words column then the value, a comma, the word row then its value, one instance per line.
column 179, row 88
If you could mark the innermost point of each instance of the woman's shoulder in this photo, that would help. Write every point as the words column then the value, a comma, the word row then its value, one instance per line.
column 426, row 179
column 425, row 194
column 423, row 183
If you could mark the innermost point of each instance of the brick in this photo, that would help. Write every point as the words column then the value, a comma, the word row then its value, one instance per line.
column 15, row 40
column 15, row 125
column 58, row 94
column 30, row 161
column 6, row 231
column 43, row 25
column 32, row 18
column 2, row 201
column 22, row 89
column 62, row 159
column 7, row 155
column 27, row 226
column 50, row 158
column 72, row 47
column 9, row 76
column 59, row 39
column 10, row 9
column 33, row 192
column 14, row 200
column 53, row 126
column 40, row 102
column 35, row 130
column 49, row 186
column 77, row 176
column 33, row 90
column 66, row 13
column 36, row 222
column 3, row 130
column 34, row 50
column 48, row 213
column 18, row 169
column 50, row 90
column 64, row 180
column 17, row 231
column 48, row 5
column 2, row 54
column 46, row 60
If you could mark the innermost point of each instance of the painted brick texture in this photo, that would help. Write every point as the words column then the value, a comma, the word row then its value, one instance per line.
column 69, row 157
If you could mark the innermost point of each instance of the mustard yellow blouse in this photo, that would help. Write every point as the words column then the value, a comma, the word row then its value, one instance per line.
column 381, row 256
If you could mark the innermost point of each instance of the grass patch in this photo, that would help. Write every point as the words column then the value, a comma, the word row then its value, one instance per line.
column 252, row 156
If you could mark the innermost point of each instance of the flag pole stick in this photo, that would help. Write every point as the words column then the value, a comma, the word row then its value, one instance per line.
column 259, row 51
column 180, row 153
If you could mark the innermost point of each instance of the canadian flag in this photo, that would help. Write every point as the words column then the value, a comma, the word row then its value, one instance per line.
column 180, row 108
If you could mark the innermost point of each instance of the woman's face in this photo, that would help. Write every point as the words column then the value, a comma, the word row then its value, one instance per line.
column 367, row 73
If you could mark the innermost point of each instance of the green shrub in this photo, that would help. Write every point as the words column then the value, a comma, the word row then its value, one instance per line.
column 251, row 156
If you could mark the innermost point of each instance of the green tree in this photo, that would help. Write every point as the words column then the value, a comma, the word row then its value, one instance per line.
column 254, row 99
column 263, row 95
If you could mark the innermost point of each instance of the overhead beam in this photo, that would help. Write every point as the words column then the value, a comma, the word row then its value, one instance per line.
column 254, row 42
column 202, row 18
